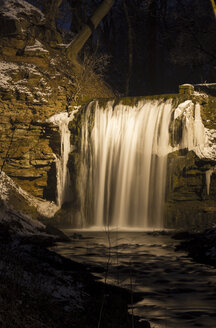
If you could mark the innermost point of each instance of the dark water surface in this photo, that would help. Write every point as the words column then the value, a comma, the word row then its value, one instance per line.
column 177, row 292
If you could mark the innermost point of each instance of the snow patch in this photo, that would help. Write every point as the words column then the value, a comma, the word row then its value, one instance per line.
column 183, row 108
column 15, row 9
column 63, row 176
column 32, row 269
column 194, row 134
column 20, row 224
column 45, row 208
column 8, row 70
column 36, row 47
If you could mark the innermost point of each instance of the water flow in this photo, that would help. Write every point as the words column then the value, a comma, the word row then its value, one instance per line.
column 124, row 164
column 63, row 176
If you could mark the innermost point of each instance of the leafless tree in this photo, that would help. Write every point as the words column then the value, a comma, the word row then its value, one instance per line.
column 213, row 7
column 77, row 44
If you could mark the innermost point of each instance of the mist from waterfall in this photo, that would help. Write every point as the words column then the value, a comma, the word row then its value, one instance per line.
column 124, row 162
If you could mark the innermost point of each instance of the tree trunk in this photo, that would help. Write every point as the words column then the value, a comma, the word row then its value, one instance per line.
column 77, row 44
column 50, row 9
column 214, row 7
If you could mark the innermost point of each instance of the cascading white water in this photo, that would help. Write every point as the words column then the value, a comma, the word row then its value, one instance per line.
column 63, row 176
column 124, row 160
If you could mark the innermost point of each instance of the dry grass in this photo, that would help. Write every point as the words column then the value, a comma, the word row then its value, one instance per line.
column 89, row 80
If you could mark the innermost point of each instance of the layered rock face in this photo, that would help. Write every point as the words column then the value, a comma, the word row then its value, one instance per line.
column 191, row 179
column 31, row 90
column 191, row 191
column 36, row 81
column 26, row 101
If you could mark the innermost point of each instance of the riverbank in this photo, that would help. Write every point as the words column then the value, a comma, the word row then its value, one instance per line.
column 39, row 288
column 200, row 246
column 175, row 291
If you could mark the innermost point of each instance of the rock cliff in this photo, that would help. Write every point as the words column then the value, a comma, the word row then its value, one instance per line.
column 36, row 81
column 190, row 199
column 191, row 179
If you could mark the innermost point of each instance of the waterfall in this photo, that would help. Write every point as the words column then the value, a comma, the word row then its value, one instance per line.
column 124, row 160
column 63, row 176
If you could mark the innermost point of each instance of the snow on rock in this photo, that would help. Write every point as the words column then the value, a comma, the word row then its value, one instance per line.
column 45, row 208
column 25, row 262
column 200, row 94
column 37, row 46
column 194, row 135
column 5, row 81
column 16, row 9
column 63, row 176
column 36, row 49
column 36, row 268
column 61, row 118
column 11, row 81
column 19, row 224
column 184, row 107
column 8, row 70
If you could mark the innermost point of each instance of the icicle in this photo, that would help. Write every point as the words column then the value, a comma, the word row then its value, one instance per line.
column 194, row 135
column 124, row 160
column 208, row 179
column 63, row 176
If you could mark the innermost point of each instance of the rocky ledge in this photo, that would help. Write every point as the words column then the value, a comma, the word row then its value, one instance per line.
column 36, row 82
column 200, row 246
column 39, row 288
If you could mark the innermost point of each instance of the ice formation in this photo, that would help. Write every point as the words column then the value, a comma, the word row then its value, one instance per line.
column 63, row 176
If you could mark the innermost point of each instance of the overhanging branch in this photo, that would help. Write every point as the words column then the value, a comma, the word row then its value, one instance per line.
column 77, row 44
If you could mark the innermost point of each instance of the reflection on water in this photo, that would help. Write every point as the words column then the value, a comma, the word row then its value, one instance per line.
column 177, row 292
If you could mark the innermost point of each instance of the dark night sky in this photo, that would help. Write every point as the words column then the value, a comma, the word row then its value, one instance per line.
column 170, row 42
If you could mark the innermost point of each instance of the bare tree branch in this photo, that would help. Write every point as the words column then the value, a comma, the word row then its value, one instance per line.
column 51, row 8
column 77, row 44
column 213, row 7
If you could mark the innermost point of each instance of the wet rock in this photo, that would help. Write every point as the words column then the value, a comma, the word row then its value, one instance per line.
column 59, row 235
column 145, row 324
column 41, row 240
column 200, row 246
column 188, row 204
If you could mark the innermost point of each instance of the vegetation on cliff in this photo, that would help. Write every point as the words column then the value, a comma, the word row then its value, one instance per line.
column 37, row 80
